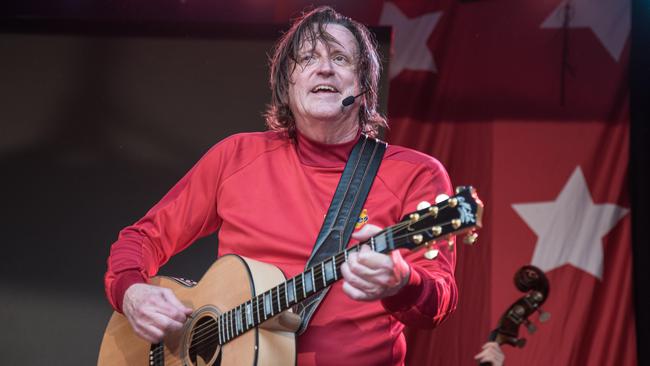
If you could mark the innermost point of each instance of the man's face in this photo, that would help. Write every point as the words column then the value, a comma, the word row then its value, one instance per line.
column 324, row 76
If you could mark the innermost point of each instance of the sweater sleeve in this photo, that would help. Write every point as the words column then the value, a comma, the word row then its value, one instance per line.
column 186, row 213
column 431, row 293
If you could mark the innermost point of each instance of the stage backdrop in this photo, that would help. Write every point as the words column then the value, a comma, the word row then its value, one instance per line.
column 525, row 100
column 528, row 102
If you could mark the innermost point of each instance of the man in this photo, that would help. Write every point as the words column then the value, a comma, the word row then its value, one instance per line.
column 290, row 172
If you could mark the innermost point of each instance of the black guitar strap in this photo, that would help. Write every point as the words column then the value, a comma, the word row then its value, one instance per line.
column 344, row 210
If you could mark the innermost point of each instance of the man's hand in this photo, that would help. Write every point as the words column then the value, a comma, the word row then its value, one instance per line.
column 371, row 276
column 153, row 311
column 491, row 353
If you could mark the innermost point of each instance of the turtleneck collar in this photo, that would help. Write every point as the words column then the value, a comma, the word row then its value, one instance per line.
column 314, row 153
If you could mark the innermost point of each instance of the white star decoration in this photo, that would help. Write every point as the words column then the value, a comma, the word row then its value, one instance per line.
column 570, row 229
column 608, row 19
column 409, row 39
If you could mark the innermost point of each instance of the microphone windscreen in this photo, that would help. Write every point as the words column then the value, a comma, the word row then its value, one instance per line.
column 347, row 101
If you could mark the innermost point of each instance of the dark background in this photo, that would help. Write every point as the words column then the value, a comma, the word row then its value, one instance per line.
column 105, row 104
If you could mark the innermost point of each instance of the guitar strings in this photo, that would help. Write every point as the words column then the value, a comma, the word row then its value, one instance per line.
column 205, row 332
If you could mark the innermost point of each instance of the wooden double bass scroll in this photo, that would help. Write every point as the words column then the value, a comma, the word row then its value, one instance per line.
column 533, row 282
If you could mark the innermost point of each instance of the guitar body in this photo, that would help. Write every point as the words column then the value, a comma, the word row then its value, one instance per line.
column 230, row 281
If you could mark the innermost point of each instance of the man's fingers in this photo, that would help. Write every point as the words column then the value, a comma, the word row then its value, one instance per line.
column 173, row 300
column 354, row 293
column 374, row 260
column 360, row 269
column 366, row 232
column 154, row 311
column 172, row 307
column 355, row 280
column 165, row 324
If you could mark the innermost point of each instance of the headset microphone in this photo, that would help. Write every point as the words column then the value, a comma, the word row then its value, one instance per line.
column 349, row 100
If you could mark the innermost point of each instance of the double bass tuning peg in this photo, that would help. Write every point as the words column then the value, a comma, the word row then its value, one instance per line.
column 532, row 328
column 544, row 316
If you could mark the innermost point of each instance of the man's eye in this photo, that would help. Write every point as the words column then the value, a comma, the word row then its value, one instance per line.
column 306, row 59
column 340, row 59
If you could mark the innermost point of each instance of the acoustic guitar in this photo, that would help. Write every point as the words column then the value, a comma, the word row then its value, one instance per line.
column 242, row 307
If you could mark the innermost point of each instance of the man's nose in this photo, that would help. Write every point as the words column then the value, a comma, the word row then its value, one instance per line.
column 325, row 66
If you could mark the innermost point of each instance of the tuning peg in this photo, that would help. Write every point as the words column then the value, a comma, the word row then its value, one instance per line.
column 455, row 223
column 431, row 253
column 543, row 315
column 460, row 189
column 537, row 296
column 532, row 328
column 470, row 238
column 422, row 205
column 441, row 197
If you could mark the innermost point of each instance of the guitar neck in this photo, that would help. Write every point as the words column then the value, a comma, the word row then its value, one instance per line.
column 457, row 214
column 266, row 305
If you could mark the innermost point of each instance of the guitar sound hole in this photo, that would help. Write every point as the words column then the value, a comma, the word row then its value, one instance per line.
column 204, row 343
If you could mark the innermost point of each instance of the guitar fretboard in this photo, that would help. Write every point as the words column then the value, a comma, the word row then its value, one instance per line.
column 264, row 306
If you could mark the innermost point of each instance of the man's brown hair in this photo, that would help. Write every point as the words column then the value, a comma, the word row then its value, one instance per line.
column 310, row 27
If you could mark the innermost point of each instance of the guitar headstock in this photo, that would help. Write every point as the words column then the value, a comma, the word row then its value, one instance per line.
column 461, row 213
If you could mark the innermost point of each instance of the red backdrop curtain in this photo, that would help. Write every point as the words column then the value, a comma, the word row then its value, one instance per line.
column 528, row 102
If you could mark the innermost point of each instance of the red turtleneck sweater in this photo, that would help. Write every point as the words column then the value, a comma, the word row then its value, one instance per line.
column 294, row 180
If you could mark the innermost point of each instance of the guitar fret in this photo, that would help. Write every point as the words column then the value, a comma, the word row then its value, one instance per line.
column 334, row 263
column 257, row 309
column 233, row 324
column 309, row 282
column 372, row 244
column 286, row 299
column 327, row 270
column 277, row 295
column 240, row 326
column 270, row 299
column 322, row 271
column 233, row 319
column 291, row 291
column 304, row 293
column 227, row 327
column 249, row 314
column 268, row 305
column 242, row 317
column 220, row 328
